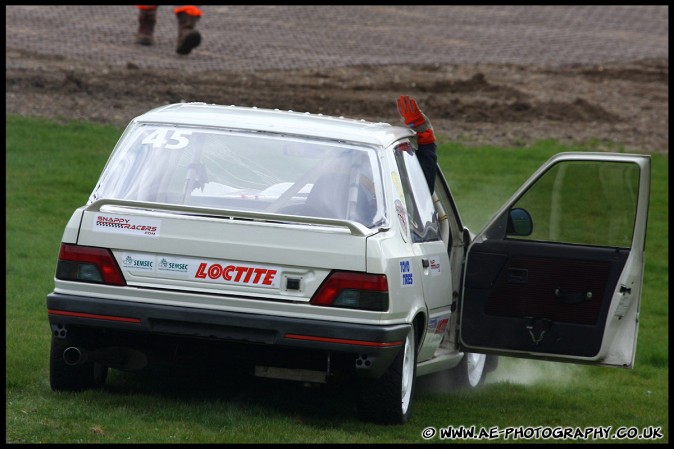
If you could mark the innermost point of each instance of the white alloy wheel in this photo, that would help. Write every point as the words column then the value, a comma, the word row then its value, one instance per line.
column 475, row 367
column 471, row 371
column 408, row 373
column 388, row 399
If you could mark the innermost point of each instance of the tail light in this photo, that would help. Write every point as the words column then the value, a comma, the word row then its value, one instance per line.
column 88, row 264
column 353, row 291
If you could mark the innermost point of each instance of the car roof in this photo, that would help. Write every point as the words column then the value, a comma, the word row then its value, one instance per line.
column 277, row 121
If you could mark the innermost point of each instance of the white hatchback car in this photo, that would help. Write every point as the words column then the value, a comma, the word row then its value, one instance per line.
column 310, row 248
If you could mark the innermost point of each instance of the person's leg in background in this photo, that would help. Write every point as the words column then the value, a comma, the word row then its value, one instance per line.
column 147, row 18
column 188, row 37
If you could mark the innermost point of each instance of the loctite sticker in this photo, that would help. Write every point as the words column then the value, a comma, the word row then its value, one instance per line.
column 239, row 274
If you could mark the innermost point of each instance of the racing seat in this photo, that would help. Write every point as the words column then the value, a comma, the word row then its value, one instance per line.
column 329, row 198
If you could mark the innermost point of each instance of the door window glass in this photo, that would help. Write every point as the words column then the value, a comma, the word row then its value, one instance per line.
column 421, row 214
column 590, row 203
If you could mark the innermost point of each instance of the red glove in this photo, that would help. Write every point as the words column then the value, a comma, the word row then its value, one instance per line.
column 415, row 119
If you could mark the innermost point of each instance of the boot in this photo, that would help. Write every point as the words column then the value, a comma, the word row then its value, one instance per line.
column 188, row 37
column 146, row 21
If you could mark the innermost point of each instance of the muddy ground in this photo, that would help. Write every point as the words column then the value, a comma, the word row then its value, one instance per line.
column 621, row 106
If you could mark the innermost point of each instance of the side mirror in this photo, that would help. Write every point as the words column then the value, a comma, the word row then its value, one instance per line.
column 519, row 222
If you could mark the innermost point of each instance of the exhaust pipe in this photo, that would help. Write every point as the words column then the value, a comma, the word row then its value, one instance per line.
column 114, row 357
column 74, row 356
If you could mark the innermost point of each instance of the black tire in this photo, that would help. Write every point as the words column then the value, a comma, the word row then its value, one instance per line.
column 491, row 364
column 472, row 369
column 100, row 375
column 388, row 400
column 64, row 377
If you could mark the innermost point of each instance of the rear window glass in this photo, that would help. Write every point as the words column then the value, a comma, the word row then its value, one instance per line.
column 245, row 171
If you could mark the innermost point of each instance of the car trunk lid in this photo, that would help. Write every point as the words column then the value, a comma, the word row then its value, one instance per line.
column 238, row 253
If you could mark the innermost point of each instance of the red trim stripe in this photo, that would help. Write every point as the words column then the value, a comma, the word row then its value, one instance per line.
column 381, row 344
column 93, row 316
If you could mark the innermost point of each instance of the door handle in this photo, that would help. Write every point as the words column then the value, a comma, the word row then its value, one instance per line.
column 518, row 275
column 424, row 263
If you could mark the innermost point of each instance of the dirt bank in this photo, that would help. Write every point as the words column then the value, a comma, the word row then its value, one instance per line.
column 617, row 106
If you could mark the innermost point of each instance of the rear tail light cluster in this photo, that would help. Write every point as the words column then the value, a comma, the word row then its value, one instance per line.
column 353, row 290
column 88, row 264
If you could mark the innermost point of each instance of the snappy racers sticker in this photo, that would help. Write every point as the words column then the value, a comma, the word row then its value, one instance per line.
column 129, row 225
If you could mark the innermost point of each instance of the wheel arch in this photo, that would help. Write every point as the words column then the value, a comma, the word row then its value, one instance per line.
column 419, row 322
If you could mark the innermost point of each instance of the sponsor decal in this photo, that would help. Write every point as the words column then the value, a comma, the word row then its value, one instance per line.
column 173, row 265
column 397, row 184
column 119, row 224
column 434, row 265
column 136, row 261
column 402, row 217
column 221, row 272
column 231, row 273
column 406, row 276
column 432, row 323
column 170, row 139
column 442, row 326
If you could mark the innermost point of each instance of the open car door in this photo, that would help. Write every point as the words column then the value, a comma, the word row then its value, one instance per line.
column 557, row 273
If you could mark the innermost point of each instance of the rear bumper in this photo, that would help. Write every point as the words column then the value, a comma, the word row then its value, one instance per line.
column 373, row 347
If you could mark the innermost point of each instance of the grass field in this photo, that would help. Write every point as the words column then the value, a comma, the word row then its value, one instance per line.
column 51, row 169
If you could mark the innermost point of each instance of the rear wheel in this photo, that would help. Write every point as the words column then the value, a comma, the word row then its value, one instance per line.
column 471, row 371
column 64, row 377
column 388, row 400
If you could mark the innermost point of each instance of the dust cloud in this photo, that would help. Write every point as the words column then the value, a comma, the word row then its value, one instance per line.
column 510, row 370
column 531, row 372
